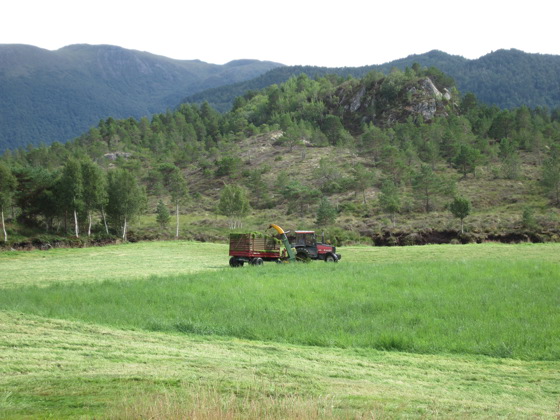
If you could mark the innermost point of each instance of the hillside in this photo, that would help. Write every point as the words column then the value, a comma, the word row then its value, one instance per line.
column 371, row 160
column 505, row 78
column 52, row 96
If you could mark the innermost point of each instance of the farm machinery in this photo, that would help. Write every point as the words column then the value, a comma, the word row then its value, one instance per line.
column 301, row 245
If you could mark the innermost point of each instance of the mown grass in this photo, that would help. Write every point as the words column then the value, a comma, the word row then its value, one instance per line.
column 494, row 308
column 116, row 262
column 62, row 369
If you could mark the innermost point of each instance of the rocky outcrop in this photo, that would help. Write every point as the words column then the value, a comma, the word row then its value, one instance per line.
column 386, row 105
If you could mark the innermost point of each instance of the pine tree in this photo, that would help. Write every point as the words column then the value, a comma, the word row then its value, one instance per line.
column 551, row 175
column 460, row 207
column 466, row 159
column 162, row 214
column 326, row 213
column 427, row 185
column 390, row 200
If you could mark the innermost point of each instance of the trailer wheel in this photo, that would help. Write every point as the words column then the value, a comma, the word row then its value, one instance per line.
column 257, row 261
column 234, row 262
column 330, row 258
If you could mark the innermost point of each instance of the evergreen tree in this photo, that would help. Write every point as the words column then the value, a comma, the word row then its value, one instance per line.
column 326, row 213
column 467, row 159
column 362, row 180
column 551, row 175
column 258, row 188
column 427, row 185
column 460, row 207
column 528, row 220
column 162, row 214
column 389, row 199
column 8, row 185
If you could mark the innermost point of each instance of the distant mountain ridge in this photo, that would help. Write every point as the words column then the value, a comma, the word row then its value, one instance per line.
column 57, row 95
column 505, row 78
column 52, row 96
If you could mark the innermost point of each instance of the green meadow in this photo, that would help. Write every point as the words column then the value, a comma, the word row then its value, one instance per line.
column 169, row 330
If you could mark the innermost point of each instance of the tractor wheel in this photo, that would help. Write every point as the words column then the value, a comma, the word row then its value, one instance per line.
column 303, row 255
column 330, row 258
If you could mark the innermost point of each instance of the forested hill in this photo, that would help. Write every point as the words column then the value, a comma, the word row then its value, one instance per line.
column 506, row 78
column 57, row 95
column 383, row 158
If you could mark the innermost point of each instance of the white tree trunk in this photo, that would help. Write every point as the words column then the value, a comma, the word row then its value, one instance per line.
column 4, row 227
column 124, row 230
column 76, row 223
column 177, row 214
column 89, row 225
column 104, row 220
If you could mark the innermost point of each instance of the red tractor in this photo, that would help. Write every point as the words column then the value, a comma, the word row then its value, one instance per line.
column 307, row 247
column 256, row 248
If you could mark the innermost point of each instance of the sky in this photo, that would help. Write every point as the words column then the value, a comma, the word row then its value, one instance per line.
column 346, row 33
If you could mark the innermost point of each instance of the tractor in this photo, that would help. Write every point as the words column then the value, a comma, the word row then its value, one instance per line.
column 254, row 248
column 307, row 248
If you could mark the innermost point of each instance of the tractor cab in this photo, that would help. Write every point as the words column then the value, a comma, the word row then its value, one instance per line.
column 305, row 243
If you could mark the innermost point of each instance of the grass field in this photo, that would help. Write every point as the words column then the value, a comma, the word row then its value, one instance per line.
column 167, row 330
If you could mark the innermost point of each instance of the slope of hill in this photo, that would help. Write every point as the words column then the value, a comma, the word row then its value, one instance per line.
column 382, row 157
column 57, row 95
column 506, row 78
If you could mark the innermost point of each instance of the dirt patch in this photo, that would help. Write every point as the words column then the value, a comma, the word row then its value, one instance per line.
column 427, row 237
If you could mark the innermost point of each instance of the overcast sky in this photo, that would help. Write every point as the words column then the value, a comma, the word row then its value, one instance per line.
column 334, row 34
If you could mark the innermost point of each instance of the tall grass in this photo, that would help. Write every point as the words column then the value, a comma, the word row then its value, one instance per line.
column 495, row 308
column 208, row 403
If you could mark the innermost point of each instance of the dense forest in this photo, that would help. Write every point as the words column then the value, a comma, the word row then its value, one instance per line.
column 505, row 78
column 57, row 95
column 361, row 157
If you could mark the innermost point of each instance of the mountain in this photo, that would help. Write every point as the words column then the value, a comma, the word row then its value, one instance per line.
column 52, row 96
column 505, row 78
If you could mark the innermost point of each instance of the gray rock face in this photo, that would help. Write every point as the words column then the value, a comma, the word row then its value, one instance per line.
column 429, row 87
column 416, row 99
column 116, row 155
column 426, row 108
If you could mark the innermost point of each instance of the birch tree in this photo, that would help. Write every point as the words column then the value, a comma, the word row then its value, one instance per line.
column 125, row 199
column 177, row 187
column 8, row 184
column 95, row 191
column 70, row 189
column 234, row 204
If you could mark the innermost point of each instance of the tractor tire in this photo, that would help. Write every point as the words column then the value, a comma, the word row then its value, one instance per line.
column 302, row 255
column 330, row 258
